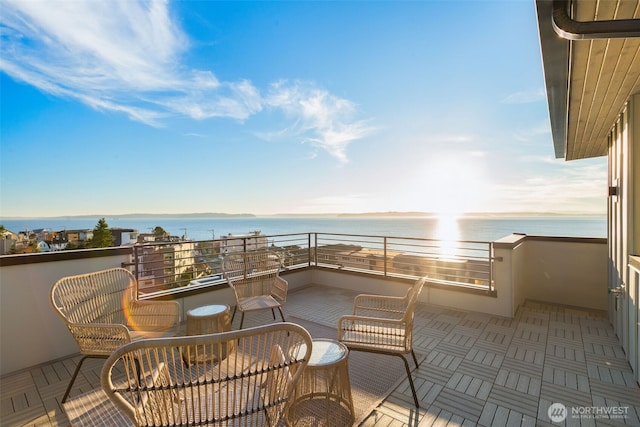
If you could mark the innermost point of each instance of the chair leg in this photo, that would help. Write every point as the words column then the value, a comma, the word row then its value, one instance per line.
column 233, row 315
column 413, row 388
column 241, row 320
column 406, row 367
column 273, row 313
column 75, row 375
column 415, row 359
column 281, row 315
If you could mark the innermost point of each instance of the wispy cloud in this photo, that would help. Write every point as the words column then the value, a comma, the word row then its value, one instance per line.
column 525, row 135
column 321, row 118
column 570, row 189
column 525, row 97
column 125, row 56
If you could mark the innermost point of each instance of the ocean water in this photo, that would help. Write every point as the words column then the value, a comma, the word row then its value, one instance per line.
column 468, row 229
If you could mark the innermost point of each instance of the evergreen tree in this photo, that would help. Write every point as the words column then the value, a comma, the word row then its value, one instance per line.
column 159, row 232
column 102, row 237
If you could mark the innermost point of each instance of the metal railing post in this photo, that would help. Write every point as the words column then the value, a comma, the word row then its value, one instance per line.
column 491, row 262
column 385, row 255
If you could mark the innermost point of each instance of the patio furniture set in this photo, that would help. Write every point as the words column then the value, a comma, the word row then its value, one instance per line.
column 212, row 375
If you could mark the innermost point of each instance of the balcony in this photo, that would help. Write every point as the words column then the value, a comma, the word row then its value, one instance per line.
column 498, row 352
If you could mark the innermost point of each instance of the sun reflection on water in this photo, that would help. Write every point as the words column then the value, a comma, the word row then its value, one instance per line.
column 448, row 233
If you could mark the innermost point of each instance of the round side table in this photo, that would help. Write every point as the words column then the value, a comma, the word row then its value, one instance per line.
column 322, row 396
column 208, row 319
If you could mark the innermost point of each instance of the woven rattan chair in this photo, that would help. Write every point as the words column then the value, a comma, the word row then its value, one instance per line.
column 102, row 312
column 383, row 324
column 251, row 386
column 255, row 279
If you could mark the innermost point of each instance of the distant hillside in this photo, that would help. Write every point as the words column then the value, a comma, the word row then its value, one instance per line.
column 143, row 215
column 184, row 215
column 206, row 215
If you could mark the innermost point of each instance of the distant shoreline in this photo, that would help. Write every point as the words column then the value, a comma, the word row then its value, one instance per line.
column 218, row 215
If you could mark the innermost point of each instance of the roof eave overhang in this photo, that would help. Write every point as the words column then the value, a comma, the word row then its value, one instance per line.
column 555, row 60
column 596, row 55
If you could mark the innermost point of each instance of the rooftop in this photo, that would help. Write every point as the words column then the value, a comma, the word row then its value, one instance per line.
column 478, row 368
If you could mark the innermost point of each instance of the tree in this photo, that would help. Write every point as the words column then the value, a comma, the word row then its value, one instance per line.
column 159, row 232
column 102, row 237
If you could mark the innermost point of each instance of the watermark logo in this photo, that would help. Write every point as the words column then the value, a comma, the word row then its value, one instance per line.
column 557, row 412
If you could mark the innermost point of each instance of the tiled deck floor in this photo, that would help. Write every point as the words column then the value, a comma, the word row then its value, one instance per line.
column 479, row 370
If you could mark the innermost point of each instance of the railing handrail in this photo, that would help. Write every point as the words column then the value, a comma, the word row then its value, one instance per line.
column 399, row 256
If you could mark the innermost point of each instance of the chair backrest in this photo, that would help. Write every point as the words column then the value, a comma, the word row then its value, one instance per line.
column 99, row 297
column 251, row 273
column 249, row 385
column 412, row 299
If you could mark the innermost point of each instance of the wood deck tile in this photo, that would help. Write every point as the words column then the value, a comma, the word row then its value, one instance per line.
column 467, row 330
column 470, row 385
column 493, row 346
column 539, row 345
column 498, row 416
column 559, row 351
column 621, row 393
column 527, row 317
column 437, row 372
column 486, row 358
column 423, row 342
column 15, row 383
column 599, row 351
column 520, row 351
column 397, row 407
column 459, row 338
column 497, row 336
column 566, row 317
column 479, row 369
column 452, row 349
column 474, row 321
column 531, row 333
column 468, row 407
column 566, row 379
column 623, row 411
column 504, row 323
column 518, row 382
column 437, row 329
column 597, row 330
column 567, row 343
column 449, row 318
column 509, row 398
column 565, row 395
column 426, row 390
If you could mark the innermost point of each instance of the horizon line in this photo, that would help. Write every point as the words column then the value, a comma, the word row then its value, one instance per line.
column 404, row 214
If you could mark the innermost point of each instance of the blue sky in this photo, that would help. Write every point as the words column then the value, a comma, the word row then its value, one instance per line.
column 113, row 107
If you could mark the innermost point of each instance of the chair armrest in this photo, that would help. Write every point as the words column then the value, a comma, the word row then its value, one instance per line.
column 99, row 339
column 379, row 306
column 279, row 289
column 154, row 315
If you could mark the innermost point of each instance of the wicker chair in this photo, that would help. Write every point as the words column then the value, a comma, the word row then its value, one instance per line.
column 102, row 313
column 383, row 324
column 254, row 277
column 251, row 386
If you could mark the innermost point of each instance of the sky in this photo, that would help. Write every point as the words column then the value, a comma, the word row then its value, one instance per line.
column 114, row 107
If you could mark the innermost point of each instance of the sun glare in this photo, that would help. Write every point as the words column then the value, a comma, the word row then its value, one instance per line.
column 448, row 233
column 454, row 185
